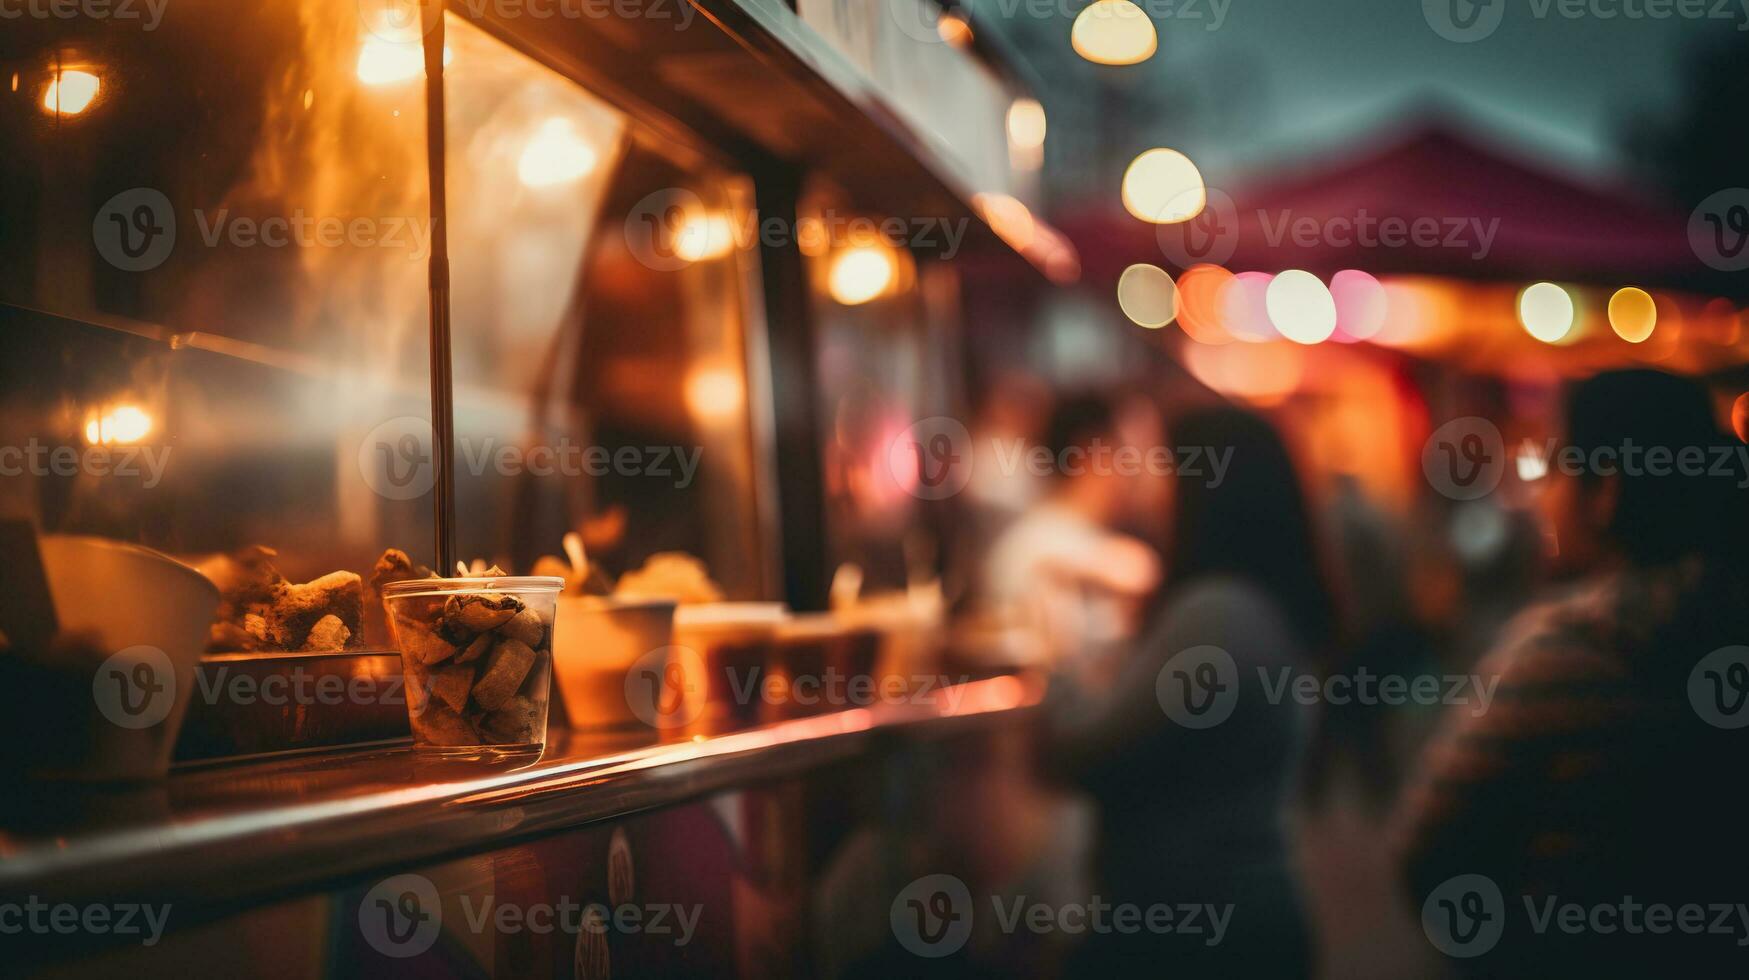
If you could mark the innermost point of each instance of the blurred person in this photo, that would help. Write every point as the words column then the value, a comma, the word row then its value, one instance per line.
column 1595, row 780
column 1062, row 567
column 1197, row 815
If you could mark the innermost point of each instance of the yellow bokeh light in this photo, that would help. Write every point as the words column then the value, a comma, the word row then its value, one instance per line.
column 1300, row 307
column 1632, row 314
column 70, row 93
column 1114, row 32
column 1546, row 311
column 860, row 273
column 705, row 236
column 556, row 154
column 120, row 425
column 1164, row 187
column 1026, row 124
column 714, row 393
column 1147, row 295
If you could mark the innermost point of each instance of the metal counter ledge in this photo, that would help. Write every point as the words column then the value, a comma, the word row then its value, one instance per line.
column 253, row 831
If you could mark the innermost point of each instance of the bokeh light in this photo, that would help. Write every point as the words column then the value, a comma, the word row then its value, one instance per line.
column 1147, row 295
column 1200, row 289
column 1632, row 314
column 1162, row 186
column 70, row 93
column 1301, row 307
column 1114, row 32
column 556, row 154
column 1546, row 311
column 1360, row 305
column 860, row 273
column 1244, row 306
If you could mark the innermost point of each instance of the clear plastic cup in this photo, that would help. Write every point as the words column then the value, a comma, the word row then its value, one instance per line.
column 477, row 655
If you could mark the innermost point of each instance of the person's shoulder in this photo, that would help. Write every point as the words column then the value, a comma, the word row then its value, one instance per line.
column 1217, row 607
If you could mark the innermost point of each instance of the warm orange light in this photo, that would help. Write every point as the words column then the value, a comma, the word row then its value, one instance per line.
column 705, row 236
column 392, row 52
column 1147, row 296
column 1360, row 305
column 556, row 154
column 1199, row 303
column 714, row 393
column 119, row 425
column 1011, row 220
column 1163, row 187
column 954, row 29
column 1632, row 314
column 1740, row 416
column 70, row 93
column 1265, row 374
column 1026, row 123
column 860, row 273
column 1114, row 32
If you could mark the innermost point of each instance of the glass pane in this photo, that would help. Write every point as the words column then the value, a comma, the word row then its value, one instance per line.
column 600, row 368
column 215, row 234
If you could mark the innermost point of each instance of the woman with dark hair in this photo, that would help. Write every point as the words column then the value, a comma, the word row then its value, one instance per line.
column 1191, row 751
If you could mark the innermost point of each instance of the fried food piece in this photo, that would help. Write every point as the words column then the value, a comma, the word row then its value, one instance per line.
column 295, row 609
column 423, row 646
column 437, row 724
column 329, row 635
column 476, row 649
column 451, row 683
column 479, row 612
column 670, row 575
column 526, row 626
column 506, row 666
column 513, row 723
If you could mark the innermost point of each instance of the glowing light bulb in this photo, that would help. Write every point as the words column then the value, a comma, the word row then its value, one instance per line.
column 860, row 273
column 556, row 154
column 1147, row 295
column 71, row 92
column 1163, row 187
column 1546, row 311
column 1114, row 32
column 1632, row 314
column 1301, row 307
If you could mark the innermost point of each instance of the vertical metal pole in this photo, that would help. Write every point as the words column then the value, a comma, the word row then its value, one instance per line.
column 442, row 401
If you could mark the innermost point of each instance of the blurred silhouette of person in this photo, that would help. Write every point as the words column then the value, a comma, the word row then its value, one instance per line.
column 1192, row 811
column 1061, row 567
column 1599, row 777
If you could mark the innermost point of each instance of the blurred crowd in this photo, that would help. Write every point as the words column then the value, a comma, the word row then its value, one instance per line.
column 1237, row 645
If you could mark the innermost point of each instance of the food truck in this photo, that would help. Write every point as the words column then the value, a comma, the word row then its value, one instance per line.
column 420, row 413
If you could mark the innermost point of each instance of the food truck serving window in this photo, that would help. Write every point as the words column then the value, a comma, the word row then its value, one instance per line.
column 214, row 310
